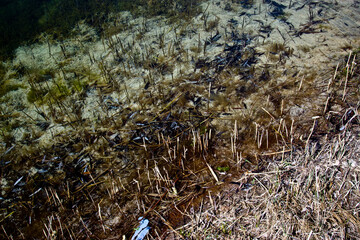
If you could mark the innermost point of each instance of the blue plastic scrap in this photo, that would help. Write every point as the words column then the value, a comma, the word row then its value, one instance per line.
column 142, row 230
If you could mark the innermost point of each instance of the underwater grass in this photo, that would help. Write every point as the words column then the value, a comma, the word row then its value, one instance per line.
column 48, row 16
column 6, row 87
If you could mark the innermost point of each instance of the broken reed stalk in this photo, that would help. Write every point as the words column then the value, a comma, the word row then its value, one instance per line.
column 212, row 171
column 58, row 218
column 291, row 138
column 312, row 131
column 349, row 72
column 49, row 45
column 334, row 77
column 301, row 82
column 347, row 76
column 63, row 50
column 208, row 102
column 127, row 93
column 353, row 64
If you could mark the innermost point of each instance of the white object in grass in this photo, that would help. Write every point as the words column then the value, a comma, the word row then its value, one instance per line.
column 142, row 230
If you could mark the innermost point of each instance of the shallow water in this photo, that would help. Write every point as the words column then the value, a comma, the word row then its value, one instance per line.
column 134, row 115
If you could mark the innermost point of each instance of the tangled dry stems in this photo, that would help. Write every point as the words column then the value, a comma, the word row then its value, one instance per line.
column 310, row 194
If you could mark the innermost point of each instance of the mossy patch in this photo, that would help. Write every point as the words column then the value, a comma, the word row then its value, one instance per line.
column 223, row 169
column 35, row 95
column 58, row 91
column 48, row 94
column 41, row 75
column 7, row 86
column 78, row 84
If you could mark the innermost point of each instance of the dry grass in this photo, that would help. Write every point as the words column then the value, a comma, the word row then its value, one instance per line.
column 306, row 187
column 312, row 193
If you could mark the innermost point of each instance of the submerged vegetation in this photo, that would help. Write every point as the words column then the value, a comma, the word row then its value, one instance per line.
column 185, row 115
column 22, row 20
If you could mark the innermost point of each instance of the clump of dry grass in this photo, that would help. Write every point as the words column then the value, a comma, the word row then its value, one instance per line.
column 312, row 193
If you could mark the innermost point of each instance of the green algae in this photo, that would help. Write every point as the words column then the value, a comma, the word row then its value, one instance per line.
column 7, row 86
column 35, row 94
column 49, row 94
column 41, row 75
column 223, row 169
